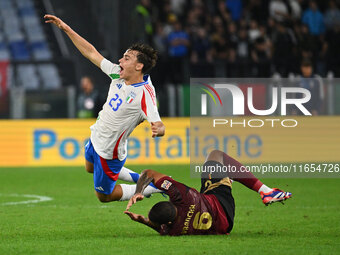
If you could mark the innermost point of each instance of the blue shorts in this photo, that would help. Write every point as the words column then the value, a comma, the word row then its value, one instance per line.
column 105, row 171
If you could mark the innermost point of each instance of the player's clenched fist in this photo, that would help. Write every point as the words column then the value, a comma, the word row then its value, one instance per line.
column 157, row 128
column 56, row 21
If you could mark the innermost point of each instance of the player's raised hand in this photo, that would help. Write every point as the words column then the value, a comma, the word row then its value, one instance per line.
column 133, row 200
column 56, row 21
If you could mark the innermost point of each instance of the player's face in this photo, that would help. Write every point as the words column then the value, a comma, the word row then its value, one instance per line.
column 129, row 65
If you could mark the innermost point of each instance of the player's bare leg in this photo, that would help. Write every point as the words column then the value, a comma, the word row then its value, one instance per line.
column 88, row 166
column 116, row 195
column 268, row 195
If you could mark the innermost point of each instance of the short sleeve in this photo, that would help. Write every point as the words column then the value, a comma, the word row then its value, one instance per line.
column 175, row 190
column 112, row 70
column 150, row 108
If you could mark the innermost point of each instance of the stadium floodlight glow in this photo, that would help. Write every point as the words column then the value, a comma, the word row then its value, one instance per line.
column 238, row 100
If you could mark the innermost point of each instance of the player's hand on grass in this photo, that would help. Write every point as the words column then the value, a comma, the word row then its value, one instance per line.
column 56, row 21
column 135, row 217
column 133, row 200
column 157, row 129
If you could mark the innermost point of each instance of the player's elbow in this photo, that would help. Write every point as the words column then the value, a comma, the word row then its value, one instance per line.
column 148, row 172
column 104, row 199
column 94, row 56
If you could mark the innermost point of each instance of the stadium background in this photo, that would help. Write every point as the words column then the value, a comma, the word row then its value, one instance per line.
column 40, row 137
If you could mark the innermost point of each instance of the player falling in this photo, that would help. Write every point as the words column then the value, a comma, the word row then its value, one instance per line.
column 131, row 100
column 210, row 211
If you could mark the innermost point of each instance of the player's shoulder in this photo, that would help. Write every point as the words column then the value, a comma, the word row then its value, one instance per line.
column 147, row 78
column 110, row 68
column 165, row 182
column 168, row 183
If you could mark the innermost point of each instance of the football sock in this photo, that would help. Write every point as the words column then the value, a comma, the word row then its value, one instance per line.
column 129, row 190
column 128, row 175
column 264, row 189
column 245, row 177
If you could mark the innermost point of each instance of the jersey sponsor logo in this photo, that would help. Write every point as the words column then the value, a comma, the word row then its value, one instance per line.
column 166, row 184
column 130, row 97
column 119, row 85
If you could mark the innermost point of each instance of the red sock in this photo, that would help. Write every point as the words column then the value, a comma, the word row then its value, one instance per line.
column 246, row 178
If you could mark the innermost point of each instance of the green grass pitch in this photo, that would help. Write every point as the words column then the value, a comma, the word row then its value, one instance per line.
column 74, row 222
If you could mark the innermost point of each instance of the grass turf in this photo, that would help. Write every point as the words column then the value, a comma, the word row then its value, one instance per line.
column 74, row 222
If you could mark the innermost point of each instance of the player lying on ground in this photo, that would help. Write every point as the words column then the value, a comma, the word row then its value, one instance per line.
column 131, row 100
column 210, row 211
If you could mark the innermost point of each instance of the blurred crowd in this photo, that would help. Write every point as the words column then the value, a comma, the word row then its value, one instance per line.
column 240, row 38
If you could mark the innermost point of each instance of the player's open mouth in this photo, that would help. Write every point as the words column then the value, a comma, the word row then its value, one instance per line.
column 121, row 70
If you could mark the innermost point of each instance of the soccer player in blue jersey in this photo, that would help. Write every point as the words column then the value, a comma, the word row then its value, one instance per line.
column 131, row 100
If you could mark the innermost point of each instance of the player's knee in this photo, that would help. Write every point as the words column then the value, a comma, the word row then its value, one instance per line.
column 216, row 155
column 108, row 198
column 213, row 155
column 146, row 171
column 104, row 198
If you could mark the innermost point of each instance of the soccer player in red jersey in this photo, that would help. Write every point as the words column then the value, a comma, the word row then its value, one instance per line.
column 210, row 211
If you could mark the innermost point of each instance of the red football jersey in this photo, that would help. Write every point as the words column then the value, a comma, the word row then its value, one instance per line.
column 197, row 214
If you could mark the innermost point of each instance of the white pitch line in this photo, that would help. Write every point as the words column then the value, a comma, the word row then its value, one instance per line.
column 37, row 199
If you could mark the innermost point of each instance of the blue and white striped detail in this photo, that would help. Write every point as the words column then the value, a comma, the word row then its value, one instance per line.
column 145, row 78
column 139, row 84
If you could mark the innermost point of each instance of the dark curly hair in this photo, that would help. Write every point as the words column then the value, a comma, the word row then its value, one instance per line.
column 162, row 213
column 146, row 55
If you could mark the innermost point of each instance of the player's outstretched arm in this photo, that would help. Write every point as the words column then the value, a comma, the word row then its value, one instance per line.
column 157, row 128
column 85, row 48
column 144, row 180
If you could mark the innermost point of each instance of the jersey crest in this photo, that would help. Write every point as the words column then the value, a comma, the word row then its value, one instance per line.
column 130, row 97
